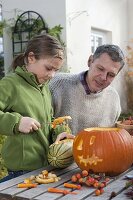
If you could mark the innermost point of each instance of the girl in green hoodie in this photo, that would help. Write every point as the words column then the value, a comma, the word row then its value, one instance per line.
column 25, row 105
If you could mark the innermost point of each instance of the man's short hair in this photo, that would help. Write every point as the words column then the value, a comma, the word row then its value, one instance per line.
column 113, row 51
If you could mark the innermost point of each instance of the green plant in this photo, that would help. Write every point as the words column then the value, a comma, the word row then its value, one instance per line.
column 3, row 170
column 125, row 116
column 8, row 24
column 33, row 28
column 2, row 26
column 1, row 65
column 56, row 32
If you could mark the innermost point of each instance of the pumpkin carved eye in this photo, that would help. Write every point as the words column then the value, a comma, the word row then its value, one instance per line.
column 80, row 145
column 92, row 140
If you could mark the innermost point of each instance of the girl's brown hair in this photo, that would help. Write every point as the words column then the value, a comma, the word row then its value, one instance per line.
column 42, row 46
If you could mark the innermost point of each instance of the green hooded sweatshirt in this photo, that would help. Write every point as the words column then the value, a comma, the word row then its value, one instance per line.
column 20, row 95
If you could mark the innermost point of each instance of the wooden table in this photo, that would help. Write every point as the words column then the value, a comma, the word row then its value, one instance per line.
column 9, row 190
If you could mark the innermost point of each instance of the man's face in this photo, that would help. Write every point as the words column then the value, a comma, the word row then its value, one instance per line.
column 102, row 72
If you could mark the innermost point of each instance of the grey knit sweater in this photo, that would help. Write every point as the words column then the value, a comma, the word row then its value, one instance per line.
column 94, row 110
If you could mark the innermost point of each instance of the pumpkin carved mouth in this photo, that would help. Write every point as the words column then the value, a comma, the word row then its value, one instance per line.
column 93, row 160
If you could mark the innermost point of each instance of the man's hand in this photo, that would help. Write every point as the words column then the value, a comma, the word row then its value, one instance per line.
column 64, row 135
column 28, row 124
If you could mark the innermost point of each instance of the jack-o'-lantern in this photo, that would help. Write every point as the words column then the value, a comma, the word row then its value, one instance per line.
column 103, row 150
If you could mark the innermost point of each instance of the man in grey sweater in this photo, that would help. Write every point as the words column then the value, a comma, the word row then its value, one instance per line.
column 88, row 97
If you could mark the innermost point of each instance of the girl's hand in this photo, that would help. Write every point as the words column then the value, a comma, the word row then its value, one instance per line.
column 28, row 124
column 64, row 135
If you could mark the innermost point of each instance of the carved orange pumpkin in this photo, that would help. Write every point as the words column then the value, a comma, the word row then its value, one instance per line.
column 103, row 150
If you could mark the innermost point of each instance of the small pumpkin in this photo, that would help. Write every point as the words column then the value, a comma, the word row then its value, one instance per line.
column 59, row 129
column 103, row 150
column 60, row 155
